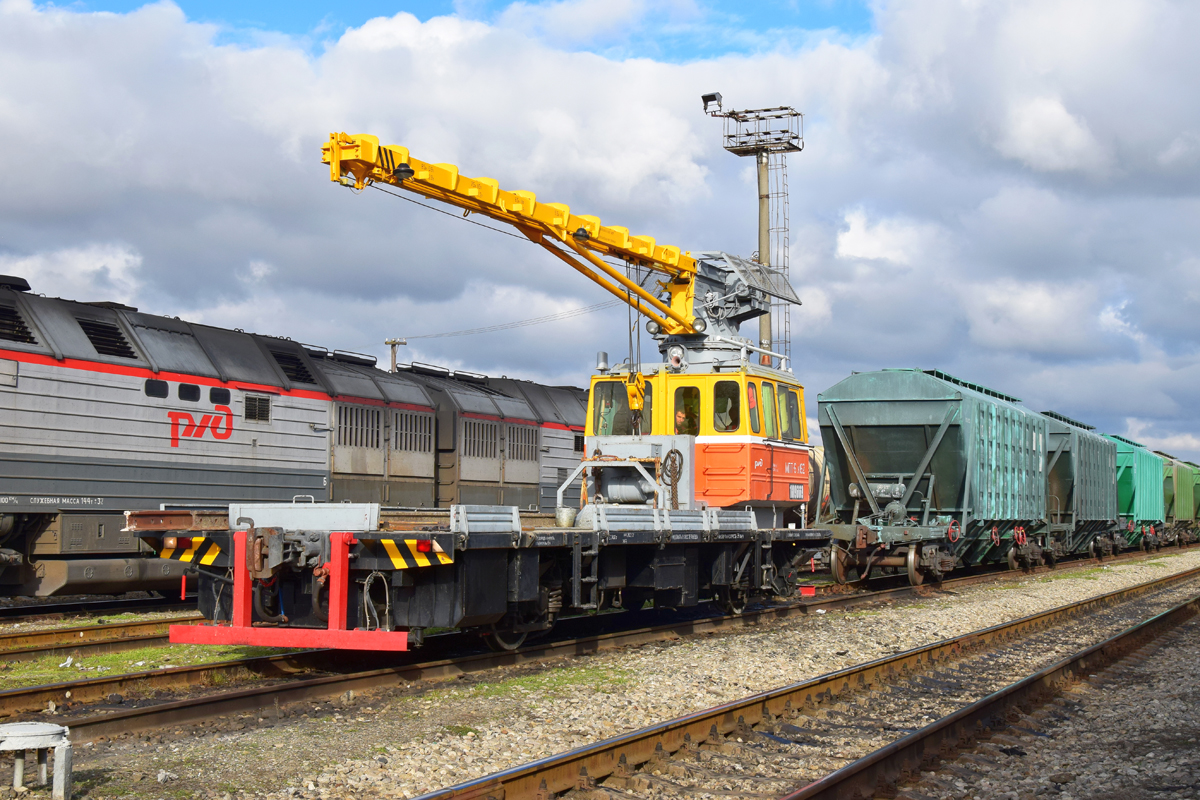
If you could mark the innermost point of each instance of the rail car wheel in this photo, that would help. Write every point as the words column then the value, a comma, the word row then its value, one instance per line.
column 731, row 600
column 913, row 560
column 1013, row 563
column 840, row 565
column 502, row 641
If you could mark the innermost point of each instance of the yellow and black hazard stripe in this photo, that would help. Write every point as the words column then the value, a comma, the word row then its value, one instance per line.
column 202, row 551
column 404, row 554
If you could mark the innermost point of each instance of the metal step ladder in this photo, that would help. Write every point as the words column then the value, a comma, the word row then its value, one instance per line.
column 578, row 579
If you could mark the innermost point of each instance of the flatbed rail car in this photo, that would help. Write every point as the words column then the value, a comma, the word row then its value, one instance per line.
column 361, row 577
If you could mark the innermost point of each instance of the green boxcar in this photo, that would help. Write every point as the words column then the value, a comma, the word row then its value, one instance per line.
column 934, row 450
column 1195, row 489
column 1081, row 487
column 1179, row 499
column 1139, row 490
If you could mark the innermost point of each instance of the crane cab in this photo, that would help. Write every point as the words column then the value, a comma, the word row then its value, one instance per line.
column 749, row 428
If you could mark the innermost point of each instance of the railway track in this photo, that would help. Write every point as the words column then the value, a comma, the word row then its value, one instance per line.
column 283, row 680
column 86, row 640
column 88, row 607
column 89, row 639
column 857, row 731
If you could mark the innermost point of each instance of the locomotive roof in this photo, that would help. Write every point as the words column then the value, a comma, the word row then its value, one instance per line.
column 112, row 333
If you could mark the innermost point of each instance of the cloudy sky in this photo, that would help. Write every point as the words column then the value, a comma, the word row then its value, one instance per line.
column 1003, row 190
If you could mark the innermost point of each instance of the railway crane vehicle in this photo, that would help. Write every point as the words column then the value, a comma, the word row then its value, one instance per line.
column 694, row 480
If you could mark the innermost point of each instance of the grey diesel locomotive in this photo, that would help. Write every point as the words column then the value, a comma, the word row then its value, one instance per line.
column 105, row 409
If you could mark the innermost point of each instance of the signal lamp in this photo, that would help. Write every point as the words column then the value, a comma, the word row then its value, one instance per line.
column 403, row 172
column 424, row 546
column 176, row 542
column 581, row 235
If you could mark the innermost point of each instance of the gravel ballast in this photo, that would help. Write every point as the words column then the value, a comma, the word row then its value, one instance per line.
column 1127, row 733
column 404, row 742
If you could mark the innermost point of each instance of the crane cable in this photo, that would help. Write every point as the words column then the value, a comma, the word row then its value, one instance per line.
column 575, row 312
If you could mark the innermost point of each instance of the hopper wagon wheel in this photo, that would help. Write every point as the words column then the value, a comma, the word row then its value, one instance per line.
column 1093, row 551
column 840, row 565
column 502, row 641
column 731, row 600
column 1049, row 556
column 1013, row 563
column 913, row 560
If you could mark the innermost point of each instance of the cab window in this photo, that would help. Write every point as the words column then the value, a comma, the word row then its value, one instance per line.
column 610, row 409
column 647, row 426
column 752, row 406
column 687, row 411
column 769, row 422
column 726, row 411
column 789, row 414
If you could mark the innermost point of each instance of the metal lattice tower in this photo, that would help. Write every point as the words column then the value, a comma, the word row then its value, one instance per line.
column 768, row 134
column 781, row 312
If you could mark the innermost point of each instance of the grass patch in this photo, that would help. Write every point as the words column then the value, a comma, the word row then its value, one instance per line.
column 556, row 682
column 460, row 730
column 1091, row 574
column 21, row 674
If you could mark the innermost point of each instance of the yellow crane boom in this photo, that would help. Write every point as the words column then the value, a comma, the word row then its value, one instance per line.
column 579, row 240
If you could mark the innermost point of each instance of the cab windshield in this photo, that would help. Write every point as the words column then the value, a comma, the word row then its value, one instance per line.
column 789, row 414
column 610, row 409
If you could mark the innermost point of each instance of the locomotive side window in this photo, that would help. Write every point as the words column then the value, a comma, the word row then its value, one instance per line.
column 770, row 424
column 752, row 406
column 687, row 411
column 726, row 411
column 610, row 414
column 789, row 414
column 218, row 397
column 158, row 389
column 189, row 392
column 258, row 408
column 647, row 427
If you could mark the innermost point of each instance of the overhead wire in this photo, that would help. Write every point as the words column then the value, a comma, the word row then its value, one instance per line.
column 574, row 312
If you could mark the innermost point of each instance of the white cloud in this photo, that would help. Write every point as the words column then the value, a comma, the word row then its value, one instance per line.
column 1041, row 133
column 938, row 213
column 893, row 240
column 90, row 273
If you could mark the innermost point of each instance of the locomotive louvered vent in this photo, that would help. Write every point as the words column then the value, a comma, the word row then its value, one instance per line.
column 293, row 366
column 258, row 408
column 13, row 328
column 107, row 338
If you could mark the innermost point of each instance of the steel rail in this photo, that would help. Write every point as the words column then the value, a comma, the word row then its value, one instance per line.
column 89, row 639
column 903, row 759
column 561, row 773
column 96, row 607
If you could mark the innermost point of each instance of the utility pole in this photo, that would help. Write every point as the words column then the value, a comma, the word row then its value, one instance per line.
column 768, row 134
column 392, row 343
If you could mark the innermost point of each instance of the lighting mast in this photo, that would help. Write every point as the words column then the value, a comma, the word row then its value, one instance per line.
column 768, row 134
